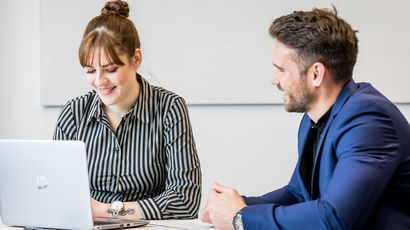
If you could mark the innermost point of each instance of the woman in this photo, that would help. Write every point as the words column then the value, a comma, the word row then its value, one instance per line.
column 141, row 153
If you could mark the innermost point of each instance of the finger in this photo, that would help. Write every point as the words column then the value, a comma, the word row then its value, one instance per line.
column 214, row 220
column 212, row 195
column 205, row 213
column 220, row 188
column 205, row 217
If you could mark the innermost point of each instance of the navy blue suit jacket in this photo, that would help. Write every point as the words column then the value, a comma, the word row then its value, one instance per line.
column 361, row 171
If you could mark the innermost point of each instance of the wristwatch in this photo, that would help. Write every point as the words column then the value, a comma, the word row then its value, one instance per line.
column 115, row 208
column 237, row 220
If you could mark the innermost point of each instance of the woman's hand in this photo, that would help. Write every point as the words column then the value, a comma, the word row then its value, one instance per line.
column 99, row 209
column 131, row 210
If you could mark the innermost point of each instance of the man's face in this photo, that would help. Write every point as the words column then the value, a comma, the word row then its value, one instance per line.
column 297, row 96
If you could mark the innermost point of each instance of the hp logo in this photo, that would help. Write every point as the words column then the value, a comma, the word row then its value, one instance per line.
column 41, row 182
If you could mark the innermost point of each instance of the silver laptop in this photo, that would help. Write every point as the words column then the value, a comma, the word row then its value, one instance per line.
column 45, row 184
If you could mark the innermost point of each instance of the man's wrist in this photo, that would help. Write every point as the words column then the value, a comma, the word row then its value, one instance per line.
column 237, row 220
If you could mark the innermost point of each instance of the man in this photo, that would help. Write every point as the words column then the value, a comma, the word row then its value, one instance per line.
column 353, row 170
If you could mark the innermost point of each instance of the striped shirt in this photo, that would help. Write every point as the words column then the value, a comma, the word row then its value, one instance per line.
column 151, row 159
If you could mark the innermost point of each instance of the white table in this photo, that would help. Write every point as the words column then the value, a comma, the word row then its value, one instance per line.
column 156, row 225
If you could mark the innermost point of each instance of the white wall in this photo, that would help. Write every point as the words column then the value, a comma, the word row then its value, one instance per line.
column 250, row 147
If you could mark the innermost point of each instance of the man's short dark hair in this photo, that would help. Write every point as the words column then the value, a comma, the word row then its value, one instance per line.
column 319, row 36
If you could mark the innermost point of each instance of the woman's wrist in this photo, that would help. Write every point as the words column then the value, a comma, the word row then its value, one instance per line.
column 131, row 211
column 103, row 210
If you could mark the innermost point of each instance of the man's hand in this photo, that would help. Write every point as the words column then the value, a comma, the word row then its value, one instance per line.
column 222, row 205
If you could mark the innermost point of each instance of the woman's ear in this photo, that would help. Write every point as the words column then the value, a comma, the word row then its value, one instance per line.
column 137, row 59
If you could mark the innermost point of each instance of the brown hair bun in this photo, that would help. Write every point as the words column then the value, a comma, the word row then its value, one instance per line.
column 116, row 7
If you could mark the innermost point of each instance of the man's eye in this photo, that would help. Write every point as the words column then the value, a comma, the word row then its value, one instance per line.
column 280, row 70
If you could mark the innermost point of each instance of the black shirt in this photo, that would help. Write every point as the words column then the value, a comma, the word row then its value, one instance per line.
column 309, row 153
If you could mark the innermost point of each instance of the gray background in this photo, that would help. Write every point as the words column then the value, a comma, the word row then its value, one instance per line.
column 219, row 52
column 250, row 147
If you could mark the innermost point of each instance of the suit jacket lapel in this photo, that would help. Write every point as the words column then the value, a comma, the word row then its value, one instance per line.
column 302, row 137
column 349, row 89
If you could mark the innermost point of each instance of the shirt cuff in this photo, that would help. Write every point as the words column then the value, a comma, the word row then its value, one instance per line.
column 149, row 209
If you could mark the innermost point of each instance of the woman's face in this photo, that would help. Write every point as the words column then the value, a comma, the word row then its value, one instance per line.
column 115, row 84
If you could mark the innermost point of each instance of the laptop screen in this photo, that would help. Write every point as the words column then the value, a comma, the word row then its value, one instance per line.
column 45, row 184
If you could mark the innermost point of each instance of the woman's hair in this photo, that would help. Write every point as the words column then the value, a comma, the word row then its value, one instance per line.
column 319, row 36
column 111, row 31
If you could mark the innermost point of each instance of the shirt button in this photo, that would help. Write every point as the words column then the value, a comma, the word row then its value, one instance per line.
column 117, row 149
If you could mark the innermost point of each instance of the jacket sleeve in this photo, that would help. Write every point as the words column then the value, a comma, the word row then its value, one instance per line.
column 287, row 195
column 182, row 195
column 365, row 143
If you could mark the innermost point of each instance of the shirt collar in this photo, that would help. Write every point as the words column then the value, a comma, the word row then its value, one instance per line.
column 348, row 89
column 144, row 107
column 142, row 110
column 95, row 108
column 320, row 125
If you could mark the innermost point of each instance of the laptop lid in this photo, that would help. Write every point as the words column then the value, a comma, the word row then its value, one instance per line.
column 45, row 184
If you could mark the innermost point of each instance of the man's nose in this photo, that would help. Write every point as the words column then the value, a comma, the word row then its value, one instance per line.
column 274, row 79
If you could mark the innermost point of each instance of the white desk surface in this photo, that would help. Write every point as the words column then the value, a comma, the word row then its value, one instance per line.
column 155, row 225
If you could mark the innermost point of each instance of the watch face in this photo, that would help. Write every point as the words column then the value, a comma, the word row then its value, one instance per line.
column 237, row 221
column 116, row 205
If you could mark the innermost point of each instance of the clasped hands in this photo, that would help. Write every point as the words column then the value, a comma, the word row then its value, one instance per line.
column 222, row 205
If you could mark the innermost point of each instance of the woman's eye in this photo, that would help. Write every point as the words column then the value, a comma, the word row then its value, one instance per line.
column 112, row 70
column 90, row 71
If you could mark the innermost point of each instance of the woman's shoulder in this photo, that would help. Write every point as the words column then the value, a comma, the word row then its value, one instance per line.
column 80, row 105
column 159, row 94
column 168, row 99
column 81, row 101
column 165, row 93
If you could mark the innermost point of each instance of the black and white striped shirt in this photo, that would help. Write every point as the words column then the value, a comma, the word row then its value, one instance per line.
column 151, row 159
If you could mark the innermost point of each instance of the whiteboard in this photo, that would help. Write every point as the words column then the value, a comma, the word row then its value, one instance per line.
column 219, row 51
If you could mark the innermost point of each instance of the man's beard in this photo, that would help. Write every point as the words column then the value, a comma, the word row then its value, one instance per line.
column 299, row 100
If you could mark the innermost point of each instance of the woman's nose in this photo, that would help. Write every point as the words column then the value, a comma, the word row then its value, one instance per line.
column 100, row 79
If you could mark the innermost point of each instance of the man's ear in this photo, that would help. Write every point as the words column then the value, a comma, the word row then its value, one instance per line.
column 137, row 59
column 317, row 72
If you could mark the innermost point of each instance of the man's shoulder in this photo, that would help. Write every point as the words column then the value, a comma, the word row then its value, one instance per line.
column 368, row 106
column 367, row 98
